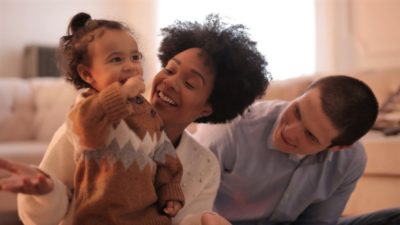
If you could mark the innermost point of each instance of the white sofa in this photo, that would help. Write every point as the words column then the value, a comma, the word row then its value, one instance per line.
column 31, row 110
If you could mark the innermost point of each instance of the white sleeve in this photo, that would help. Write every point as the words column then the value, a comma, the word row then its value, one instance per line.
column 201, row 182
column 59, row 163
column 204, row 202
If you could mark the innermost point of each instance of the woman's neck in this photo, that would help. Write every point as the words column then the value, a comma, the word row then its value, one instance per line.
column 174, row 134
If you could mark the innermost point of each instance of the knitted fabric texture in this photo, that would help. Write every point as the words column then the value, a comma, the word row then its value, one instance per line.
column 126, row 167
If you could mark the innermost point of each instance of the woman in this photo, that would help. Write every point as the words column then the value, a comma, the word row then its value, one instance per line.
column 211, row 73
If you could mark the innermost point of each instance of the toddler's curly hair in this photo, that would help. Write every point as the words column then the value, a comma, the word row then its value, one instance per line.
column 73, row 47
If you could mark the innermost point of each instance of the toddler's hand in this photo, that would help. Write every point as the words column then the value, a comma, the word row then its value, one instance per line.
column 133, row 87
column 24, row 179
column 172, row 208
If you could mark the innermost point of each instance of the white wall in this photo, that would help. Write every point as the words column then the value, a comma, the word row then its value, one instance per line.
column 351, row 34
column 355, row 35
column 24, row 22
column 283, row 29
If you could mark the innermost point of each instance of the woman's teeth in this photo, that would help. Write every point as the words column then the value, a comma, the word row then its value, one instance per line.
column 166, row 98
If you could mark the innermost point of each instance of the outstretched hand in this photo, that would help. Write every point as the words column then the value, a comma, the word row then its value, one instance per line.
column 24, row 179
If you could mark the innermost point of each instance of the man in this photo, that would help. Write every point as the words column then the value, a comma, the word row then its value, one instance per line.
column 296, row 162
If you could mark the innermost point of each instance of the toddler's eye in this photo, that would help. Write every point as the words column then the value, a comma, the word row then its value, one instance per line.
column 116, row 59
column 136, row 56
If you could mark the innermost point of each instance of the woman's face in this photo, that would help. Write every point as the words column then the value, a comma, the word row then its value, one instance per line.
column 181, row 90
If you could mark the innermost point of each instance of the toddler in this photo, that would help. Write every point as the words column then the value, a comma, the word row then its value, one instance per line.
column 127, row 169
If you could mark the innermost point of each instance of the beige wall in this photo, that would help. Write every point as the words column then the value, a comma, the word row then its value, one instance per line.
column 351, row 34
column 355, row 35
column 24, row 22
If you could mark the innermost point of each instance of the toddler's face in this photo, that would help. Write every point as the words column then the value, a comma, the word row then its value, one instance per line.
column 114, row 57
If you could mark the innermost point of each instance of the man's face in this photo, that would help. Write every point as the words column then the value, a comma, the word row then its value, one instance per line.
column 302, row 127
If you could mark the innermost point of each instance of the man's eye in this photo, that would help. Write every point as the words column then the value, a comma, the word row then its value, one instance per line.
column 137, row 56
column 311, row 137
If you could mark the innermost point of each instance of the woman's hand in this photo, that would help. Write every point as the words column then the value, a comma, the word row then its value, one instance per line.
column 211, row 218
column 24, row 179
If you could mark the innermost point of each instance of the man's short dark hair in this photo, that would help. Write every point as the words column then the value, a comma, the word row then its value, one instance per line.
column 350, row 104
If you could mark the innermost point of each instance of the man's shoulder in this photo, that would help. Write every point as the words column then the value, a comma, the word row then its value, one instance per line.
column 265, row 108
column 355, row 151
column 353, row 156
column 262, row 110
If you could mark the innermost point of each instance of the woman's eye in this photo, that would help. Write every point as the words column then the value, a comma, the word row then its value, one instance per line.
column 168, row 71
column 137, row 56
column 189, row 85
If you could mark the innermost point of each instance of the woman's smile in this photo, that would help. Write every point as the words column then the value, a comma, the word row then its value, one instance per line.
column 166, row 98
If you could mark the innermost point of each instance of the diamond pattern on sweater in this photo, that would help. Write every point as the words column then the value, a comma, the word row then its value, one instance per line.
column 113, row 152
column 165, row 148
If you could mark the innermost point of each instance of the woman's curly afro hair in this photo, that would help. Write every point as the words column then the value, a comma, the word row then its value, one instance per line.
column 240, row 69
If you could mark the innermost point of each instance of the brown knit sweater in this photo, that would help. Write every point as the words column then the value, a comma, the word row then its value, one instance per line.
column 126, row 167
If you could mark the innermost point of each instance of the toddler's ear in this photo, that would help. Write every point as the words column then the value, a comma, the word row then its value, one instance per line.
column 85, row 74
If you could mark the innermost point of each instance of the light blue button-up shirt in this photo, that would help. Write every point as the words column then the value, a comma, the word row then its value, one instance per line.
column 262, row 185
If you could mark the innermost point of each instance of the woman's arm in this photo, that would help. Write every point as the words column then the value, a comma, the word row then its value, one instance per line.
column 192, row 213
column 23, row 178
column 200, row 181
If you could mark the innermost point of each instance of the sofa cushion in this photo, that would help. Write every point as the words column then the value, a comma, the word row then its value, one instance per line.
column 16, row 109
column 383, row 82
column 383, row 154
column 287, row 89
column 30, row 152
column 53, row 98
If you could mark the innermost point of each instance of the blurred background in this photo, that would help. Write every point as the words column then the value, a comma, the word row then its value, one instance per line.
column 297, row 37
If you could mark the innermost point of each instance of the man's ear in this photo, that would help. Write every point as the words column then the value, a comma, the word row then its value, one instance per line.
column 337, row 148
column 85, row 74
